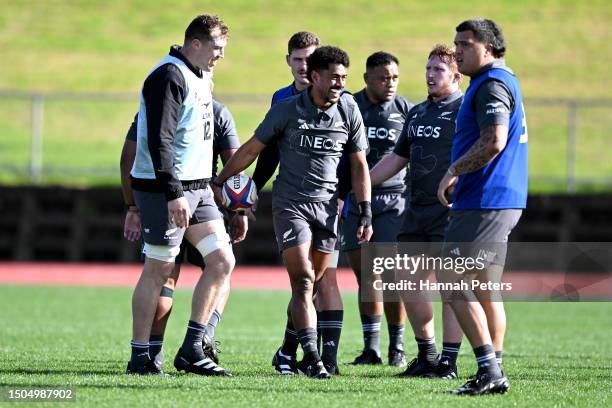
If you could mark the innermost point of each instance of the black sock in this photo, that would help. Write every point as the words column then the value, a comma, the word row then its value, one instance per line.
column 308, row 340
column 140, row 353
column 485, row 358
column 427, row 349
column 396, row 337
column 214, row 320
column 499, row 357
column 192, row 345
column 450, row 351
column 370, row 325
column 330, row 324
column 156, row 342
column 290, row 342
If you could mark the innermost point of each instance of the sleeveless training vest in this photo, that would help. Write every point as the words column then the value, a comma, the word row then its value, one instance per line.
column 502, row 183
column 193, row 141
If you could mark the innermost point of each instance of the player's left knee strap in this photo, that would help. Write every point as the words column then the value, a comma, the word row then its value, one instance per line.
column 212, row 242
column 164, row 253
column 333, row 262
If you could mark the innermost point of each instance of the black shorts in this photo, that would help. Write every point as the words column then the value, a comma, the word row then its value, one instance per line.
column 424, row 223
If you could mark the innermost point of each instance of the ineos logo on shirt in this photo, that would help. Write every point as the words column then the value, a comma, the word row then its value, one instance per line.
column 425, row 131
column 382, row 133
column 320, row 143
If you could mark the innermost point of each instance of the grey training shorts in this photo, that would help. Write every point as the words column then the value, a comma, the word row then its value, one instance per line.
column 157, row 229
column 297, row 222
column 487, row 232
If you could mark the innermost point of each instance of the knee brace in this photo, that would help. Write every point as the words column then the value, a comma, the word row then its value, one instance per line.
column 212, row 242
column 333, row 262
column 164, row 253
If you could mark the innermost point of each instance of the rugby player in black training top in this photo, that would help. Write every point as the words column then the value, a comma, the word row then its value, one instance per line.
column 384, row 113
column 426, row 143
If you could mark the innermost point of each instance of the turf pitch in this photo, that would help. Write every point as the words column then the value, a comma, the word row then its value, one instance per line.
column 557, row 354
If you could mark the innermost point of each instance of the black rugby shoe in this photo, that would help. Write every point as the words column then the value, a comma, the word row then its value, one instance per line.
column 397, row 358
column 313, row 369
column 446, row 370
column 211, row 348
column 420, row 368
column 202, row 364
column 331, row 367
column 285, row 365
column 483, row 384
column 148, row 368
column 367, row 357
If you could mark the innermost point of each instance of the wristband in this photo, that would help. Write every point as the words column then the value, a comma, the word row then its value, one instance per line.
column 365, row 214
column 132, row 208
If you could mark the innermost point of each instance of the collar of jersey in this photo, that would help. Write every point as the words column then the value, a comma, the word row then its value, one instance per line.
column 449, row 99
column 367, row 102
column 175, row 51
column 313, row 110
column 499, row 63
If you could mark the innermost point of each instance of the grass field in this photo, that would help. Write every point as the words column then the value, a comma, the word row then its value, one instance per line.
column 555, row 46
column 557, row 354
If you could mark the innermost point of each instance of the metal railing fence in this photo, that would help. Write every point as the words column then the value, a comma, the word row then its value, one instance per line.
column 580, row 128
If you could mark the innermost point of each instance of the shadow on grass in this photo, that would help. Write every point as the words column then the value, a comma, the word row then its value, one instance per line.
column 67, row 367
column 62, row 371
column 139, row 386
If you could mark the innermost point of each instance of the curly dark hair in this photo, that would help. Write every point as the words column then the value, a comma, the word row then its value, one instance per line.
column 322, row 57
column 486, row 31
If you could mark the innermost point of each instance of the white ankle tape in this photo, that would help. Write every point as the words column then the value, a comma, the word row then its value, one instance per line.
column 212, row 242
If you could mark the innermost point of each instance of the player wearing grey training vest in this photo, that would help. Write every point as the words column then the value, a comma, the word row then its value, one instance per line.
column 426, row 142
column 384, row 113
column 312, row 130
column 170, row 180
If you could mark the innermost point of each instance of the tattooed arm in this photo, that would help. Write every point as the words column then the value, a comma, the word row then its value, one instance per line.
column 491, row 142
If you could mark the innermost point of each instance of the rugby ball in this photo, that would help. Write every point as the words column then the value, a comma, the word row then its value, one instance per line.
column 239, row 193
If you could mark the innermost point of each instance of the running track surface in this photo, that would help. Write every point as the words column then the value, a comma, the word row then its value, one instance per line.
column 271, row 278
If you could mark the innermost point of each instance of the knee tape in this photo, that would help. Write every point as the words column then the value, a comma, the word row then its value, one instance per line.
column 166, row 292
column 333, row 262
column 164, row 253
column 212, row 242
